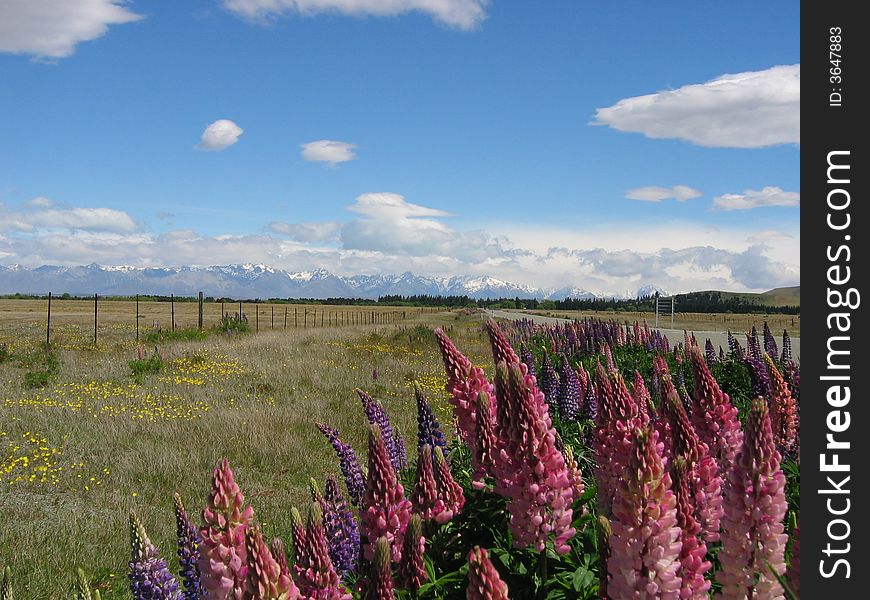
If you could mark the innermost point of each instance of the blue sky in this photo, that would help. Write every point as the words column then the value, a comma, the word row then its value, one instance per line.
column 602, row 145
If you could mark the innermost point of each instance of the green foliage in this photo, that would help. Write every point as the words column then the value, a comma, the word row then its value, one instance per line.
column 42, row 364
column 179, row 335
column 141, row 367
column 232, row 324
column 733, row 377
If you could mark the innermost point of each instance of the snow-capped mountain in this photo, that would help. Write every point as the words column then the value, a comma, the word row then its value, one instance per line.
column 259, row 281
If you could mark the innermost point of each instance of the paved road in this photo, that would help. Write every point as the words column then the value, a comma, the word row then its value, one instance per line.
column 718, row 338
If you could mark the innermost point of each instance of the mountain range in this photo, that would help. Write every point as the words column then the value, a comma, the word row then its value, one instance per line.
column 260, row 281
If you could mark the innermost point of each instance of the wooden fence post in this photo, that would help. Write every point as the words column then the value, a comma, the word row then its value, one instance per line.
column 295, row 318
column 285, row 317
column 137, row 317
column 95, row 319
column 273, row 316
column 200, row 311
column 257, row 311
column 48, row 323
column 172, row 306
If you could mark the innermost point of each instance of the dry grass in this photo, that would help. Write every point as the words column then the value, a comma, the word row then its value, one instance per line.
column 97, row 442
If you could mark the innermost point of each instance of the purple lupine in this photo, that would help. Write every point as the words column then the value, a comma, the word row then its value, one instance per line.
column 527, row 359
column 589, row 409
column 735, row 350
column 786, row 348
column 710, row 353
column 428, row 428
column 350, row 469
column 569, row 393
column 150, row 578
column 769, row 342
column 753, row 347
column 188, row 540
column 376, row 415
column 548, row 381
column 341, row 529
column 759, row 376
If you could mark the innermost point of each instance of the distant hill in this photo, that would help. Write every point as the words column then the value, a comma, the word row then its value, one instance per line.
column 785, row 296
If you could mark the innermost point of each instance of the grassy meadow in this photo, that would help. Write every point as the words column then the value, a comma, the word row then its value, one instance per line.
column 86, row 439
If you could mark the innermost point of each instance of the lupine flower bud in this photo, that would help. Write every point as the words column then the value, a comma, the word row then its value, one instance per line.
column 574, row 473
column 713, row 416
column 392, row 438
column 641, row 397
column 412, row 571
column 317, row 578
column 342, row 531
column 753, row 542
column 188, row 542
column 299, row 535
column 783, row 410
column 428, row 428
column 223, row 553
column 485, row 449
column 266, row 581
column 380, row 582
column 279, row 553
column 501, row 348
column 484, row 582
column 693, row 565
column 150, row 578
column 425, row 495
column 645, row 541
column 449, row 491
column 83, row 586
column 385, row 510
column 350, row 469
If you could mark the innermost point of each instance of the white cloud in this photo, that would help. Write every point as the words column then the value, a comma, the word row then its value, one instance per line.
column 651, row 193
column 43, row 214
column 328, row 151
column 51, row 29
column 745, row 110
column 749, row 199
column 308, row 232
column 461, row 14
column 39, row 202
column 220, row 135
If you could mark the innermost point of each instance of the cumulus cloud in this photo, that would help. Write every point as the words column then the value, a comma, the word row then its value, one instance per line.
column 313, row 233
column 49, row 29
column 39, row 202
column 681, row 193
column 461, row 14
column 328, row 151
column 749, row 199
column 744, row 110
column 42, row 213
column 220, row 135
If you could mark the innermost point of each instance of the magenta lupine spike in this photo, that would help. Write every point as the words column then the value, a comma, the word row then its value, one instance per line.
column 645, row 539
column 485, row 449
column 412, row 571
column 484, row 582
column 713, row 416
column 608, row 356
column 501, row 348
column 464, row 382
column 531, row 471
column 783, row 409
column 149, row 576
column 693, row 565
column 425, row 495
column 641, row 397
column 187, row 542
column 753, row 538
column 449, row 492
column 794, row 566
column 379, row 585
column 317, row 578
column 385, row 510
column 266, row 581
column 223, row 552
column 301, row 549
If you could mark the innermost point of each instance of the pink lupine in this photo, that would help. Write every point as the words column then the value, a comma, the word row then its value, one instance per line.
column 317, row 578
column 501, row 348
column 301, row 549
column 425, row 495
column 485, row 449
column 449, row 492
column 223, row 553
column 531, row 471
column 641, row 397
column 279, row 553
column 464, row 382
column 794, row 566
column 783, row 409
column 693, row 565
column 704, row 478
column 484, row 582
column 714, row 417
column 412, row 571
column 753, row 538
column 379, row 585
column 385, row 510
column 266, row 580
column 645, row 540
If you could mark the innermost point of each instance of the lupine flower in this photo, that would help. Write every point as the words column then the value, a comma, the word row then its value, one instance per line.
column 794, row 567
column 589, row 409
column 693, row 565
column 223, row 553
column 501, row 348
column 759, row 376
column 734, row 348
column 299, row 535
column 485, row 449
column 645, row 540
column 188, row 542
column 569, row 393
column 531, row 472
column 350, row 469
column 714, row 417
column 428, row 428
column 786, row 348
column 266, row 581
column 527, row 359
column 753, row 541
column 379, row 585
column 425, row 495
column 753, row 347
column 279, row 553
column 783, row 410
column 484, row 582
column 449, row 491
column 574, row 473
column 710, row 353
column 316, row 577
column 548, row 381
column 770, row 342
column 342, row 531
column 412, row 572
column 150, row 578
column 385, row 510
column 641, row 396
column 608, row 357
column 392, row 438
